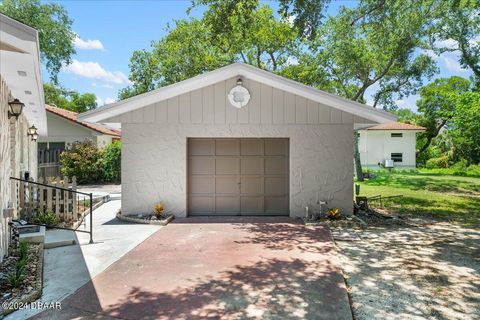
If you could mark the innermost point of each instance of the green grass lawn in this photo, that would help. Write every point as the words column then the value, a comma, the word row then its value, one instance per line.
column 436, row 195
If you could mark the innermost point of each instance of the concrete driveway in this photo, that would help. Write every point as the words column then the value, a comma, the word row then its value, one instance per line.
column 219, row 268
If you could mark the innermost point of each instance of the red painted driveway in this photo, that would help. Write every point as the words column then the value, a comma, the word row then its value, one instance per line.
column 219, row 268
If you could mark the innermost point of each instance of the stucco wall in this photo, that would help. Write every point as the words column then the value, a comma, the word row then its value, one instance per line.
column 17, row 155
column 377, row 145
column 154, row 163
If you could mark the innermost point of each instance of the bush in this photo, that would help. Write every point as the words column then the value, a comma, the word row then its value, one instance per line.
column 436, row 163
column 112, row 162
column 47, row 217
column 83, row 161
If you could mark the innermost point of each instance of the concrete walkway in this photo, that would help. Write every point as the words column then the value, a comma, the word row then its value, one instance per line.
column 219, row 268
column 68, row 268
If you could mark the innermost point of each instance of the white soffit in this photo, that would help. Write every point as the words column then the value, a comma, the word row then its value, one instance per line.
column 231, row 71
column 20, row 69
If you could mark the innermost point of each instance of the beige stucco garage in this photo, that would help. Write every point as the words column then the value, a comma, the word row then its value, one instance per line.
column 187, row 145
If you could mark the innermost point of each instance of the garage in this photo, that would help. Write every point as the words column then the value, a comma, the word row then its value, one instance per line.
column 237, row 141
column 230, row 176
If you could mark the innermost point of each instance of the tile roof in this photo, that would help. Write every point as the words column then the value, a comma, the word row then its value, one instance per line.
column 396, row 126
column 72, row 116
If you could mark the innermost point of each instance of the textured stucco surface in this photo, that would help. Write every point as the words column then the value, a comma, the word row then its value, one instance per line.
column 154, row 163
column 17, row 155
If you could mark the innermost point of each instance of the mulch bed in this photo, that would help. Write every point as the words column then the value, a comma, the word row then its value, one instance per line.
column 145, row 219
column 31, row 286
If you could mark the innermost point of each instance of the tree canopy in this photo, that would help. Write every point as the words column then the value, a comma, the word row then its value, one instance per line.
column 68, row 99
column 54, row 27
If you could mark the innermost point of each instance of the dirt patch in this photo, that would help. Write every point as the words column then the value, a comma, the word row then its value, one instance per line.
column 413, row 270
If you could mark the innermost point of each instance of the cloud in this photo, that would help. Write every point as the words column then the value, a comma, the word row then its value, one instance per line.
column 87, row 44
column 100, row 102
column 94, row 70
column 109, row 100
column 447, row 44
column 452, row 64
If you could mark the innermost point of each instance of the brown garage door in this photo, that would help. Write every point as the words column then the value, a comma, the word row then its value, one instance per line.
column 238, row 176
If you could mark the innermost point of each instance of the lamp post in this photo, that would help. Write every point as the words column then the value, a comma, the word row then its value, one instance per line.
column 15, row 108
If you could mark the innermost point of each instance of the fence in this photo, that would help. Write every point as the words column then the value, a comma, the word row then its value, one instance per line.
column 49, row 159
column 55, row 195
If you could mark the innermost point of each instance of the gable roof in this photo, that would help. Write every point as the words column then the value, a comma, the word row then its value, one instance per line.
column 397, row 126
column 73, row 116
column 237, row 70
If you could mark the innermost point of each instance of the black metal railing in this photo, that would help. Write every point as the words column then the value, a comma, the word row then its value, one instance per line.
column 34, row 205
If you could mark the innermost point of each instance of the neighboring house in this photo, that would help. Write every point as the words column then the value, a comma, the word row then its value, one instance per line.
column 237, row 141
column 63, row 130
column 389, row 141
column 20, row 79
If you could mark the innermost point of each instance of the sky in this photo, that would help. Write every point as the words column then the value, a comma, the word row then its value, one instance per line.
column 109, row 31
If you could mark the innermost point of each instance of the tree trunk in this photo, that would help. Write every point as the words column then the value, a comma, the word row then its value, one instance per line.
column 358, row 164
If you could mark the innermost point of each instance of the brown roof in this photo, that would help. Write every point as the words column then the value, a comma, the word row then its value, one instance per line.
column 72, row 116
column 396, row 126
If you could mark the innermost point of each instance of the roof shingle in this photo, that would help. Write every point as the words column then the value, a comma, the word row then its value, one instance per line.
column 396, row 126
column 72, row 116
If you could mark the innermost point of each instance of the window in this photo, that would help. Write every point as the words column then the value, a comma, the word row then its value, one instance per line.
column 396, row 135
column 396, row 157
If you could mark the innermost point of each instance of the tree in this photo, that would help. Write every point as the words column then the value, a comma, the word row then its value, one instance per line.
column 54, row 28
column 457, row 30
column 438, row 103
column 357, row 49
column 466, row 127
column 192, row 47
column 69, row 99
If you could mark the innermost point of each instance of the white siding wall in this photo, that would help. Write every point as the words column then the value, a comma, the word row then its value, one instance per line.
column 377, row 145
column 63, row 130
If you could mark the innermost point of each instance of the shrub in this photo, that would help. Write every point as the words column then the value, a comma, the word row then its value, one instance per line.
column 473, row 170
column 47, row 217
column 159, row 210
column 23, row 250
column 84, row 161
column 112, row 162
column 16, row 278
column 435, row 163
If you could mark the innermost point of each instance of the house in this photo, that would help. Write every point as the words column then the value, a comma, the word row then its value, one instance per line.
column 22, row 110
column 63, row 130
column 237, row 141
column 389, row 141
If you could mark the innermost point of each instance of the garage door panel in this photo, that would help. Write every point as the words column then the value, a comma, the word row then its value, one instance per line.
column 251, row 166
column 226, row 185
column 276, row 147
column 276, row 205
column 251, row 185
column 202, row 165
column 251, row 147
column 276, row 186
column 227, row 147
column 238, row 176
column 226, row 166
column 227, row 205
column 200, row 184
column 201, row 147
column 251, row 205
column 201, row 205
column 275, row 166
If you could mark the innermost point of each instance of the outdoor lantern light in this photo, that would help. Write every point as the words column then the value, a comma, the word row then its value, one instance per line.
column 34, row 137
column 15, row 108
column 32, row 130
column 239, row 95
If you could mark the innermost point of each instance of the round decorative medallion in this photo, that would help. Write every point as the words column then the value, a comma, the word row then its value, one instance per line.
column 239, row 96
